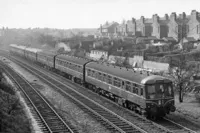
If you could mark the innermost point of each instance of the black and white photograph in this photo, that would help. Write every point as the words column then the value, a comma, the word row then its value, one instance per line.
column 99, row 66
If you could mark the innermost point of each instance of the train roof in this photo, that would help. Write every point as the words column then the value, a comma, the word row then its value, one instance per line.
column 49, row 53
column 73, row 59
column 25, row 48
column 18, row 46
column 35, row 50
column 129, row 74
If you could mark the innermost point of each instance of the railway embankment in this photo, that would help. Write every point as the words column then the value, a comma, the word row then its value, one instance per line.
column 13, row 114
column 188, row 112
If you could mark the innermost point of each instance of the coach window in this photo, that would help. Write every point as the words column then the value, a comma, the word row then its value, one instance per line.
column 96, row 75
column 117, row 82
column 88, row 72
column 67, row 65
column 100, row 76
column 93, row 73
column 123, row 84
column 110, row 79
column 134, row 88
column 70, row 65
column 76, row 68
column 104, row 77
column 128, row 86
column 79, row 68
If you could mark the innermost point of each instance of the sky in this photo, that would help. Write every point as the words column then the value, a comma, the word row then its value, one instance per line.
column 67, row 14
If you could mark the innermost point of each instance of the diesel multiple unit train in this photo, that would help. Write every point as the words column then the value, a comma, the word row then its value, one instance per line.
column 144, row 93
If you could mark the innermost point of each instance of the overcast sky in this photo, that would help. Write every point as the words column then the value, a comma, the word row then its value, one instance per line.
column 64, row 14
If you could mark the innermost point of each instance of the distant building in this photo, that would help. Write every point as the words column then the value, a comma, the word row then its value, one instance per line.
column 127, row 28
column 144, row 26
column 172, row 29
column 160, row 26
column 121, row 29
column 98, row 54
column 108, row 29
column 194, row 25
column 131, row 27
column 178, row 27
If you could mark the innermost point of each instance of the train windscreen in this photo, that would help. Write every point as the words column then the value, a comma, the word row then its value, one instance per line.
column 159, row 91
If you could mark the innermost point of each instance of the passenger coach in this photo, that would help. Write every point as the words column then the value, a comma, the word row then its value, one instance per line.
column 72, row 66
column 144, row 93
column 46, row 58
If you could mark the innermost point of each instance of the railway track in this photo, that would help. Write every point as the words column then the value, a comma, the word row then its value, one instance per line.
column 110, row 120
column 169, row 126
column 175, row 127
column 47, row 118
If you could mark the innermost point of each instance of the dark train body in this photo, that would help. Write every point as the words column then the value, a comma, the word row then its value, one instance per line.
column 144, row 93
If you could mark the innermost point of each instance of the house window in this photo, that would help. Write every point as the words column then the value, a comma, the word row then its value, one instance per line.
column 158, row 29
column 197, row 29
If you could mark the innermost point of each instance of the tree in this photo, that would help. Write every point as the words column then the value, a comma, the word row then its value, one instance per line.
column 182, row 71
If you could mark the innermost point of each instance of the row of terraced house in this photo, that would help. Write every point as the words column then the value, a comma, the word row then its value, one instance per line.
column 173, row 27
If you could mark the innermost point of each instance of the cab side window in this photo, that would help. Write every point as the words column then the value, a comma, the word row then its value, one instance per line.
column 141, row 91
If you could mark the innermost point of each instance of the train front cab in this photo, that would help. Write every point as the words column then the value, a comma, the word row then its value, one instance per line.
column 159, row 99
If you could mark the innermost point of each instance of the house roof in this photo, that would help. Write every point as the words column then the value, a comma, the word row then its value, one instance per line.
column 189, row 39
column 121, row 25
column 163, row 22
column 182, row 21
column 87, row 45
column 148, row 21
column 107, row 25
column 169, row 39
column 152, row 38
column 129, row 22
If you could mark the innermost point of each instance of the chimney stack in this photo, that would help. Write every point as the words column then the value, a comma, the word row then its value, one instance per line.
column 173, row 16
column 182, row 16
column 155, row 18
column 166, row 17
column 101, row 28
column 194, row 14
column 133, row 20
column 142, row 19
